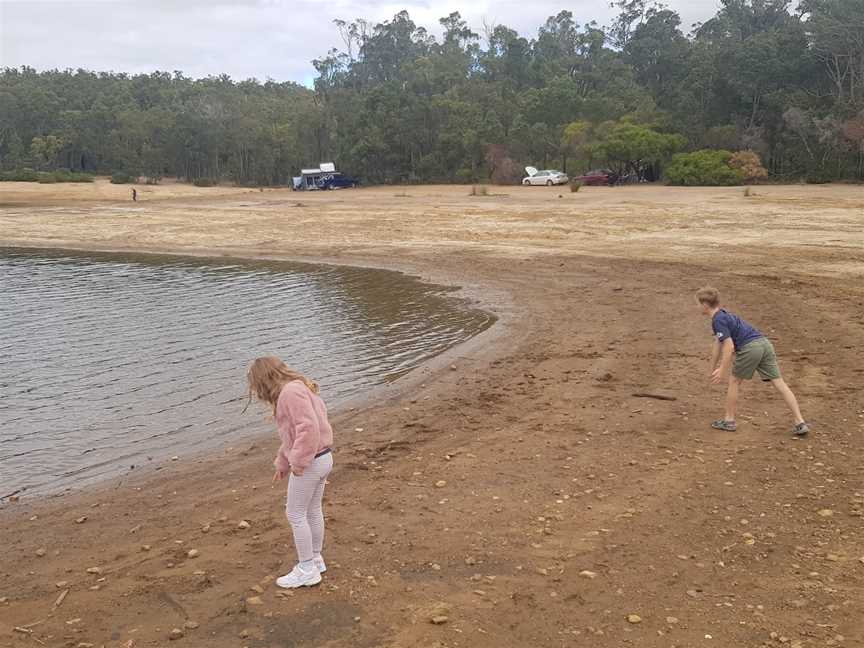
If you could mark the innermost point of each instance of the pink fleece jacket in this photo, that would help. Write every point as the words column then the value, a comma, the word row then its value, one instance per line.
column 301, row 417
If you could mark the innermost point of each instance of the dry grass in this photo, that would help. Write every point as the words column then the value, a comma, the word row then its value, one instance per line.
column 645, row 221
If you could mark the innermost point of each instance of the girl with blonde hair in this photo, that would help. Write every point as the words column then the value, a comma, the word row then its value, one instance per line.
column 305, row 455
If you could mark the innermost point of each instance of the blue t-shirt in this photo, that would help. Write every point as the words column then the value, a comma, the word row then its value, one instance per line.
column 726, row 325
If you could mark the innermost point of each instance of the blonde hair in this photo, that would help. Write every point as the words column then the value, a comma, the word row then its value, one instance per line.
column 709, row 296
column 268, row 375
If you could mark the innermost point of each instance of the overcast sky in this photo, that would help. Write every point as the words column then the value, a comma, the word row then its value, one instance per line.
column 243, row 38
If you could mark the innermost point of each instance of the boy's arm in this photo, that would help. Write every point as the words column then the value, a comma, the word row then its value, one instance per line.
column 726, row 353
column 715, row 355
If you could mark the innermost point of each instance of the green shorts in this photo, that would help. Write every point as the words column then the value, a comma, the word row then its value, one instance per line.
column 754, row 356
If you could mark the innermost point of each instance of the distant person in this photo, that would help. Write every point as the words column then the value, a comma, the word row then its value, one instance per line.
column 134, row 195
column 305, row 455
column 752, row 352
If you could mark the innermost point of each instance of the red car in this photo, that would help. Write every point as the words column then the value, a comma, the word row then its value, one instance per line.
column 598, row 178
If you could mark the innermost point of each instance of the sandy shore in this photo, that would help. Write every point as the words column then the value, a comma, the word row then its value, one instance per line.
column 528, row 496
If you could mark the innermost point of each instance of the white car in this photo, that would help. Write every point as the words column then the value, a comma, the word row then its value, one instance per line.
column 547, row 178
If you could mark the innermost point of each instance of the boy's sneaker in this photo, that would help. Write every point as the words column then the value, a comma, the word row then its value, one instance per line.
column 320, row 564
column 726, row 426
column 801, row 430
column 299, row 577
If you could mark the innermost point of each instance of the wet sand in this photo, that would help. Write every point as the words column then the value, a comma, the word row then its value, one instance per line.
column 525, row 493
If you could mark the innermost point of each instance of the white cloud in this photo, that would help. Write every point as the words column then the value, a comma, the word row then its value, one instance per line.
column 242, row 38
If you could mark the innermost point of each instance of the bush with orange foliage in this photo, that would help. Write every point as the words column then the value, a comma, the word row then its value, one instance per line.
column 503, row 169
column 750, row 164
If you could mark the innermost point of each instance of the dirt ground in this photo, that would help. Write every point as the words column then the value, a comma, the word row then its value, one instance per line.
column 525, row 493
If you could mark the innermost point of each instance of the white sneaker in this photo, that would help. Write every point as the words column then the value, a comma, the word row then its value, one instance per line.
column 299, row 577
column 319, row 563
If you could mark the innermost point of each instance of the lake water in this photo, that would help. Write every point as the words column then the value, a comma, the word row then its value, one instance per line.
column 110, row 361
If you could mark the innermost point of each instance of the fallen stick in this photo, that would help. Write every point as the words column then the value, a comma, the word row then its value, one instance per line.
column 655, row 396
column 15, row 492
column 26, row 631
column 60, row 599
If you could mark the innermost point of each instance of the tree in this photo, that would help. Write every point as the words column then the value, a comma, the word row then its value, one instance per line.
column 575, row 139
column 45, row 150
column 853, row 131
column 396, row 104
column 634, row 148
column 503, row 169
column 836, row 30
column 659, row 52
column 630, row 16
column 822, row 140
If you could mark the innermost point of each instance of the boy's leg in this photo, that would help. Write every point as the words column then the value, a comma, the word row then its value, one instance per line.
column 769, row 369
column 781, row 386
column 732, row 398
column 747, row 359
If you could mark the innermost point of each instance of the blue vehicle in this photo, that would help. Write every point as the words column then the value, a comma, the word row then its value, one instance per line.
column 336, row 181
column 324, row 177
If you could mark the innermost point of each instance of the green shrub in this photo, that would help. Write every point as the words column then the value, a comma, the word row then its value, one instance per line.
column 479, row 190
column 205, row 182
column 64, row 175
column 44, row 177
column 705, row 168
column 466, row 176
column 121, row 177
column 19, row 175
column 575, row 186
column 818, row 176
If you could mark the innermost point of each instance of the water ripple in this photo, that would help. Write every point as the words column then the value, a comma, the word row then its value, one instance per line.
column 112, row 360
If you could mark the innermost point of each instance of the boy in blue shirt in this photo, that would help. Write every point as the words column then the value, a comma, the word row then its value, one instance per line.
column 753, row 352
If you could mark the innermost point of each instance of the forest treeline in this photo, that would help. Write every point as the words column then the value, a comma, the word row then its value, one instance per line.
column 397, row 104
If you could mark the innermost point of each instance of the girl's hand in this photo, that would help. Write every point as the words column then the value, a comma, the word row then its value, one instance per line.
column 717, row 376
column 279, row 476
column 297, row 472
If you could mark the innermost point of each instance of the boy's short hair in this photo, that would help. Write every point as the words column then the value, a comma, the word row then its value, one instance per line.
column 709, row 296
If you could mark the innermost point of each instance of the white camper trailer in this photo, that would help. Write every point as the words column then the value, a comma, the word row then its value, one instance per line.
column 311, row 179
